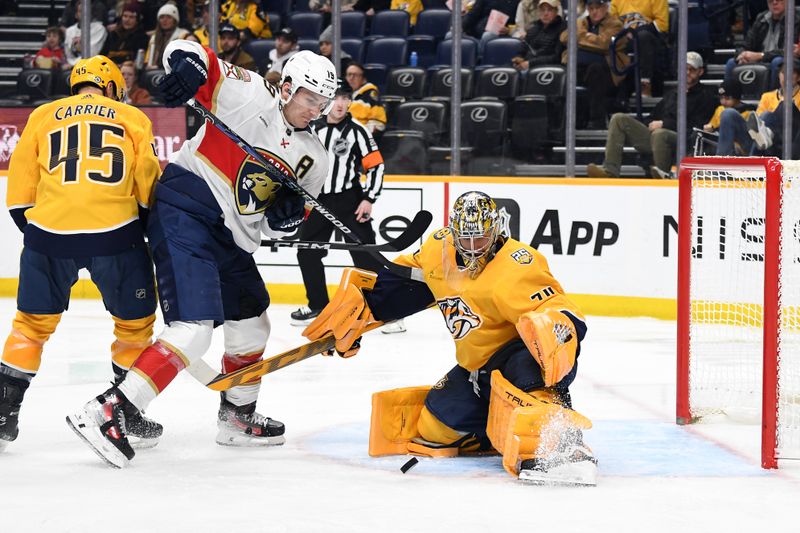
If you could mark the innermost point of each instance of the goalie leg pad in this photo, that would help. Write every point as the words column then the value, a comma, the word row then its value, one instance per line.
column 525, row 425
column 29, row 332
column 395, row 414
column 552, row 340
column 347, row 315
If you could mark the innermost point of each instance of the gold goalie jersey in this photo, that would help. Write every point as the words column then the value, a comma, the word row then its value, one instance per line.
column 481, row 313
column 83, row 166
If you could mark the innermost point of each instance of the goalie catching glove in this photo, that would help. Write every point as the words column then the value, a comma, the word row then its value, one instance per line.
column 347, row 316
column 552, row 340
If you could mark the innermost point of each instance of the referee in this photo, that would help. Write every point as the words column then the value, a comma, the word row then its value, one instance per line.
column 352, row 151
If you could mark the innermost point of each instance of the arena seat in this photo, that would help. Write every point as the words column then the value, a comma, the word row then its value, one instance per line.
column 407, row 82
column 497, row 82
column 306, row 25
column 354, row 24
column 442, row 80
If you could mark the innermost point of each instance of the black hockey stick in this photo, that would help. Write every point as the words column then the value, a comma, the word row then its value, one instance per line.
column 275, row 174
column 411, row 235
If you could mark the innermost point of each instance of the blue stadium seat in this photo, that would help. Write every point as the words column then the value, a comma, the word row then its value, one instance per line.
column 498, row 52
column 275, row 20
column 469, row 52
column 390, row 23
column 376, row 73
column 354, row 24
column 309, row 44
column 433, row 22
column 259, row 49
column 389, row 51
column 354, row 47
column 282, row 7
column 300, row 6
column 425, row 47
column 306, row 25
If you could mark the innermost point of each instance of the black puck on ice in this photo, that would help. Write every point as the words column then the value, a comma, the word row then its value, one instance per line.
column 411, row 463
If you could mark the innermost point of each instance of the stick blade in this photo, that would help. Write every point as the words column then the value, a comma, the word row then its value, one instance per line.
column 414, row 231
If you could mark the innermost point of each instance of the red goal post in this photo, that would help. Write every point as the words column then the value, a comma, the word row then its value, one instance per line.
column 738, row 348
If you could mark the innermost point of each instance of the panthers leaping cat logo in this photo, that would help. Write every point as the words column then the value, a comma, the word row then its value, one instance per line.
column 458, row 316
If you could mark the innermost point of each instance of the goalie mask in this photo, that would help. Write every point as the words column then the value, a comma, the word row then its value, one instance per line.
column 475, row 226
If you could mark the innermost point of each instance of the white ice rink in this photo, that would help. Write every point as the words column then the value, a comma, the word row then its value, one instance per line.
column 653, row 476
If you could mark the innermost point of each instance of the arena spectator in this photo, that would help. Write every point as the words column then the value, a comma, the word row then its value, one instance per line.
column 476, row 19
column 412, row 7
column 527, row 14
column 766, row 113
column 370, row 7
column 543, row 37
column 128, row 37
column 200, row 34
column 51, row 55
column 285, row 47
column 326, row 49
column 325, row 8
column 650, row 20
column 166, row 32
column 231, row 48
column 658, row 137
column 366, row 107
column 72, row 37
column 248, row 17
column 730, row 99
column 134, row 95
column 764, row 41
column 595, row 32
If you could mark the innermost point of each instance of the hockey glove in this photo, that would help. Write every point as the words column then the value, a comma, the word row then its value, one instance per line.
column 187, row 76
column 552, row 340
column 347, row 316
column 286, row 212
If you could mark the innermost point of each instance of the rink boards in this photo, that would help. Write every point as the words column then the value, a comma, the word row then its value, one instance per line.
column 611, row 243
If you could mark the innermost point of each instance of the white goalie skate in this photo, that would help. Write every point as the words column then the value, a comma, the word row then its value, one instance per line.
column 573, row 466
column 101, row 425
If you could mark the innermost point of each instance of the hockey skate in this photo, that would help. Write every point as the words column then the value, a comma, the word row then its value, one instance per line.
column 574, row 464
column 304, row 315
column 101, row 425
column 397, row 326
column 242, row 426
column 11, row 392
column 142, row 432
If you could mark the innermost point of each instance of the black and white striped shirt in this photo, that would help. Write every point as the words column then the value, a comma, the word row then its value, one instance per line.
column 352, row 150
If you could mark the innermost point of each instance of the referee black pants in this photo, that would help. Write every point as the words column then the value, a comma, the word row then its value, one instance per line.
column 317, row 228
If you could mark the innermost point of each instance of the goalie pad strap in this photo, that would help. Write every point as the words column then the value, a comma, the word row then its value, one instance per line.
column 552, row 340
column 526, row 425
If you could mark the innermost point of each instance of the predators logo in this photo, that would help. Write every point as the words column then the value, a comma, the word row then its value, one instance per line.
column 458, row 316
column 256, row 186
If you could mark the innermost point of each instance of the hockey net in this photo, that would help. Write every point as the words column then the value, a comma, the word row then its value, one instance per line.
column 739, row 297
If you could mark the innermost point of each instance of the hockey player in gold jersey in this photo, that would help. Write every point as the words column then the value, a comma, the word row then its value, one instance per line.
column 517, row 338
column 79, row 179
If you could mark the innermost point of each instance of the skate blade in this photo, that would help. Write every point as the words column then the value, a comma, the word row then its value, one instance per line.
column 583, row 474
column 141, row 443
column 301, row 323
column 4, row 444
column 389, row 329
column 237, row 439
column 94, row 439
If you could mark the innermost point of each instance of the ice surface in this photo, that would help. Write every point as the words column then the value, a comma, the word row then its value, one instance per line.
column 653, row 476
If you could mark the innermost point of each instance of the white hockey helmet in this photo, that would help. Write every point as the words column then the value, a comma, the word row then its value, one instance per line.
column 312, row 71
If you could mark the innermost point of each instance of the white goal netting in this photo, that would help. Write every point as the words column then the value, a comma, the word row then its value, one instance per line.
column 726, row 331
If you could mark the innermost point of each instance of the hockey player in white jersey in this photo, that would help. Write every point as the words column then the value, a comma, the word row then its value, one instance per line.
column 211, row 205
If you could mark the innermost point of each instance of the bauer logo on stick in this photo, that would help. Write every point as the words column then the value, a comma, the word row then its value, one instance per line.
column 459, row 317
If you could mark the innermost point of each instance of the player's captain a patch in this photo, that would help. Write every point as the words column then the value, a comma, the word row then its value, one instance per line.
column 257, row 186
column 458, row 316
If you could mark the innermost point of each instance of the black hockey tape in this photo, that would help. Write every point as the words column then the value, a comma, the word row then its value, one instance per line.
column 411, row 463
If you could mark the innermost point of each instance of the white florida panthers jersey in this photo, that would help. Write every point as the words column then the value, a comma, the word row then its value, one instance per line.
column 248, row 105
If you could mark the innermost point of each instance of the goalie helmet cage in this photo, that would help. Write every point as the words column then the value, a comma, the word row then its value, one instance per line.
column 739, row 296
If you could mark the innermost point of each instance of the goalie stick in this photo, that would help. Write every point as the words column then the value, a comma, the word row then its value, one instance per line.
column 221, row 382
column 411, row 234
column 275, row 174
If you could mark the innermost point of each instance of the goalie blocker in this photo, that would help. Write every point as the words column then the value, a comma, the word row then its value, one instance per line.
column 517, row 339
